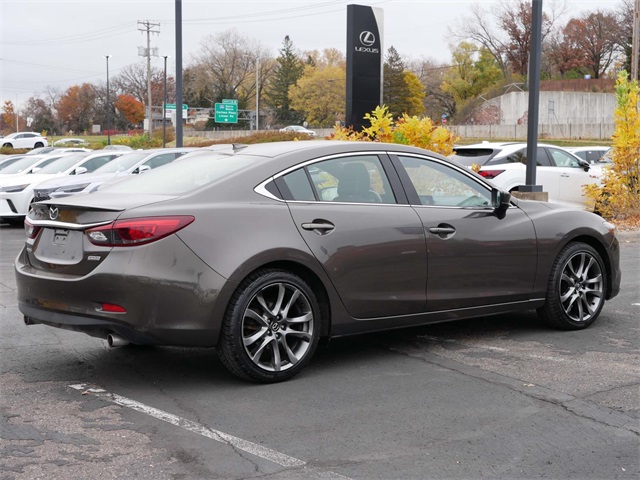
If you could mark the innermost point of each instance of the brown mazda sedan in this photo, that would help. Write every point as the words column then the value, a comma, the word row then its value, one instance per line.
column 262, row 251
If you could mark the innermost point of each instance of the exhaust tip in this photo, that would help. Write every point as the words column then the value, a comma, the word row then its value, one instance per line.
column 116, row 340
column 28, row 321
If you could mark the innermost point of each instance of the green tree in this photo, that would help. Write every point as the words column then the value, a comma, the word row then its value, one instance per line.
column 287, row 73
column 473, row 71
column 394, row 85
column 319, row 95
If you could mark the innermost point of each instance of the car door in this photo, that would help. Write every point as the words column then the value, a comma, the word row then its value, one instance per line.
column 546, row 174
column 572, row 177
column 369, row 241
column 475, row 256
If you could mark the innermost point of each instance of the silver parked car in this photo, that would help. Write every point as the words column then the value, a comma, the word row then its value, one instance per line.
column 262, row 252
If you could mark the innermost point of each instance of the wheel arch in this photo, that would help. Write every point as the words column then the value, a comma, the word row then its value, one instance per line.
column 600, row 248
column 307, row 274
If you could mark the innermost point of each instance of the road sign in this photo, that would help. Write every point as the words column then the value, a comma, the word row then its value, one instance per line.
column 227, row 111
column 172, row 106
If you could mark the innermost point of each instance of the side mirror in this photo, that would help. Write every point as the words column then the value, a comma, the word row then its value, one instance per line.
column 80, row 171
column 500, row 200
column 143, row 168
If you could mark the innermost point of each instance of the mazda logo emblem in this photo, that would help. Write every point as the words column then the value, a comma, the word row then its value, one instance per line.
column 53, row 213
column 367, row 38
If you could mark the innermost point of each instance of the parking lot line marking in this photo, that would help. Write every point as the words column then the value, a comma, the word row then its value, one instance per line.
column 244, row 445
column 218, row 436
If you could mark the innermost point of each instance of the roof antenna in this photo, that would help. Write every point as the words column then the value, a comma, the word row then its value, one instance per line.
column 238, row 146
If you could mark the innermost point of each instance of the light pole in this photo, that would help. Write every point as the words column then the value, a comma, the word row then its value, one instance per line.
column 108, row 106
column 257, row 93
column 164, row 106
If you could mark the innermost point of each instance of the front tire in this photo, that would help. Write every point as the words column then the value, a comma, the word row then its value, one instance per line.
column 576, row 289
column 8, row 145
column 271, row 327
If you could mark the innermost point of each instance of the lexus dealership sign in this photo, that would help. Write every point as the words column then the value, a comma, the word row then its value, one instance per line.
column 364, row 62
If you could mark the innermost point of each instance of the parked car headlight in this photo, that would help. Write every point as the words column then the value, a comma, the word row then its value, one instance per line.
column 14, row 188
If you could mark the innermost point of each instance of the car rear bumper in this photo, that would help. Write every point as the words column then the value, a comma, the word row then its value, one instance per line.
column 168, row 296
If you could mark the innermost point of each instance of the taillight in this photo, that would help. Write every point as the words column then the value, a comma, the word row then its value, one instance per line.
column 30, row 230
column 137, row 231
column 490, row 173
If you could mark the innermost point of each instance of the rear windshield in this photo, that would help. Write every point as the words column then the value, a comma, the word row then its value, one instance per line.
column 123, row 163
column 469, row 156
column 182, row 177
column 63, row 164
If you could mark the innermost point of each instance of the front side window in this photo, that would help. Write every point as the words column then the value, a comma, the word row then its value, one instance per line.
column 440, row 185
column 563, row 159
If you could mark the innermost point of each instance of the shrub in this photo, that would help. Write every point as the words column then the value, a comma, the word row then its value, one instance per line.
column 419, row 132
column 262, row 137
column 139, row 141
column 619, row 194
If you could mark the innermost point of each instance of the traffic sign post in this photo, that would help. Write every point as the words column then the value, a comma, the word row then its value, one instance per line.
column 227, row 111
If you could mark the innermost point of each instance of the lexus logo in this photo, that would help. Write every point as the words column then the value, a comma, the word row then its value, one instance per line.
column 53, row 213
column 367, row 38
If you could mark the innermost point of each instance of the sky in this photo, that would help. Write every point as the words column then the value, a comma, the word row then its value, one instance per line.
column 60, row 43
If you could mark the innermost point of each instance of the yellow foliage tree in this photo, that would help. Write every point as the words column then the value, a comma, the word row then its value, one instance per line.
column 408, row 130
column 619, row 194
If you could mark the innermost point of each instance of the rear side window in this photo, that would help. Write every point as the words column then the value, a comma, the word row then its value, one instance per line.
column 299, row 186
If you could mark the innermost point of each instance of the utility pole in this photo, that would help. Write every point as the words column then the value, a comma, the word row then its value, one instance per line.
column 257, row 93
column 635, row 50
column 149, row 27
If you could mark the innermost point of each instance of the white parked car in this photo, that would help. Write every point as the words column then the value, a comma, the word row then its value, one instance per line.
column 24, row 140
column 29, row 164
column 70, row 142
column 561, row 174
column 17, row 192
column 128, row 163
column 591, row 154
column 298, row 129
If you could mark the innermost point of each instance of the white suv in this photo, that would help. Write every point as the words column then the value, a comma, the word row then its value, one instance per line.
column 561, row 174
column 24, row 140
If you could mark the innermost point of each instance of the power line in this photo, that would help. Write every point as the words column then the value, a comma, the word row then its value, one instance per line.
column 83, row 37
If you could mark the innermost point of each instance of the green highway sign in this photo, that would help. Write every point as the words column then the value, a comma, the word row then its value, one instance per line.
column 172, row 106
column 227, row 111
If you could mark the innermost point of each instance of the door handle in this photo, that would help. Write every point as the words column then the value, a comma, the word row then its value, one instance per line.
column 321, row 228
column 442, row 230
column 565, row 175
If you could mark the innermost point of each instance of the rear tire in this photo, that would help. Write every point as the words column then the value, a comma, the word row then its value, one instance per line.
column 38, row 145
column 576, row 288
column 271, row 327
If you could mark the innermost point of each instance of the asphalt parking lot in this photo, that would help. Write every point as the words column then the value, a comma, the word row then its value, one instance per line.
column 496, row 397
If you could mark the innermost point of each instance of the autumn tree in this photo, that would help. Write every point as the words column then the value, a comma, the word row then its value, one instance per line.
column 619, row 194
column 597, row 37
column 320, row 95
column 75, row 107
column 287, row 73
column 565, row 54
column 8, row 117
column 41, row 113
column 509, row 46
column 131, row 108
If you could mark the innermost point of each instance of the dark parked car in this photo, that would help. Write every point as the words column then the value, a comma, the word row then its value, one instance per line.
column 262, row 252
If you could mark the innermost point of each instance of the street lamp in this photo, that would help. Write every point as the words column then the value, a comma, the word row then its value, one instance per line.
column 108, row 106
column 164, row 106
column 257, row 93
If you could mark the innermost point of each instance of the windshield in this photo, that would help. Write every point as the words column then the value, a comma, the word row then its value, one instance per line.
column 123, row 163
column 21, row 165
column 62, row 164
column 182, row 177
